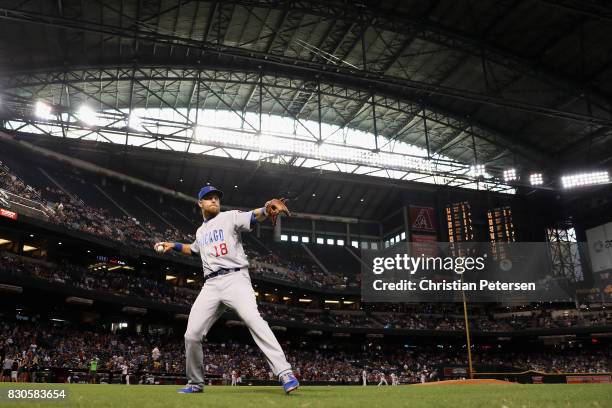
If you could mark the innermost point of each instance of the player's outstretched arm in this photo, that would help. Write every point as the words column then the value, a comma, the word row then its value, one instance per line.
column 163, row 247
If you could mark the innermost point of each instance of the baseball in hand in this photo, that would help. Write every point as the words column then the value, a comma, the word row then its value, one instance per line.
column 159, row 248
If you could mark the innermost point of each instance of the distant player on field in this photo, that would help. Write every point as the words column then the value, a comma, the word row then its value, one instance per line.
column 125, row 376
column 383, row 379
column 394, row 379
column 227, row 284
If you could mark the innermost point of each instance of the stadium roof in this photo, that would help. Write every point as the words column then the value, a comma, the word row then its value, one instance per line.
column 522, row 84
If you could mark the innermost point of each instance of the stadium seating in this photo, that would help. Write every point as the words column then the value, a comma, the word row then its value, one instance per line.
column 40, row 346
column 422, row 317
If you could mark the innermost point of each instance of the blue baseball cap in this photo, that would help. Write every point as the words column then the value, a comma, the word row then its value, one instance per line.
column 209, row 189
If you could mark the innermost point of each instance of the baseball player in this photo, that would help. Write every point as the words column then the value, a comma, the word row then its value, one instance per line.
column 227, row 284
column 234, row 378
column 125, row 376
column 394, row 379
column 383, row 379
column 364, row 377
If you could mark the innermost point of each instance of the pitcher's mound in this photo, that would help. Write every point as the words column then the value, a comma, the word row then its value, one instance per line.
column 468, row 382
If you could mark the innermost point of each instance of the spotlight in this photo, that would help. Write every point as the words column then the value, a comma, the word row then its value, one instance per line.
column 536, row 179
column 477, row 170
column 43, row 110
column 87, row 115
column 510, row 175
column 585, row 179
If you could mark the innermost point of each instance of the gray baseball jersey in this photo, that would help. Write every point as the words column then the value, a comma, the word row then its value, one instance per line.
column 219, row 242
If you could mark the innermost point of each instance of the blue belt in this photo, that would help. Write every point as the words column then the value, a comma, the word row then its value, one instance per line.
column 220, row 272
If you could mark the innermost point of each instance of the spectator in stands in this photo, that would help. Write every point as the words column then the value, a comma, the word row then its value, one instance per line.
column 7, row 366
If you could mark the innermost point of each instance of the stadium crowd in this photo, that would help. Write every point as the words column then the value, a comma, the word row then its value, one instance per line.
column 99, row 280
column 72, row 212
column 13, row 184
column 423, row 317
column 294, row 267
column 32, row 346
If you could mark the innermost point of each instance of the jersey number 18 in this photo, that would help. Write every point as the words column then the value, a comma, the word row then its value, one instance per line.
column 221, row 250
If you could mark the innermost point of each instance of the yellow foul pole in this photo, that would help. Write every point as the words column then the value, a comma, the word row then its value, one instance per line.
column 467, row 333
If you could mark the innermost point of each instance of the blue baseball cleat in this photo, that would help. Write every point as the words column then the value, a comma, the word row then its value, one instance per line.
column 191, row 389
column 289, row 381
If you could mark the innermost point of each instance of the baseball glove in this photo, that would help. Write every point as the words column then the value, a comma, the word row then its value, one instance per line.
column 275, row 207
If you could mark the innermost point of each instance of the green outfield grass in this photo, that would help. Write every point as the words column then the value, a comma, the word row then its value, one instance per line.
column 499, row 396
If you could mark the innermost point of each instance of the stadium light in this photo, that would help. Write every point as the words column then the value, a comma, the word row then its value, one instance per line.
column 477, row 170
column 282, row 144
column 43, row 110
column 509, row 175
column 536, row 179
column 585, row 179
column 87, row 115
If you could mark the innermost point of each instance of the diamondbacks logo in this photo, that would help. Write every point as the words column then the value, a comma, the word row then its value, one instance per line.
column 422, row 221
